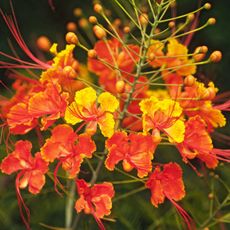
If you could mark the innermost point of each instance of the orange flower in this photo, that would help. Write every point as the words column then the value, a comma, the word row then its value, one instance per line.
column 176, row 57
column 163, row 115
column 115, row 57
column 69, row 148
column 201, row 104
column 49, row 104
column 64, row 70
column 167, row 183
column 136, row 151
column 85, row 108
column 197, row 143
column 95, row 200
column 32, row 173
column 32, row 168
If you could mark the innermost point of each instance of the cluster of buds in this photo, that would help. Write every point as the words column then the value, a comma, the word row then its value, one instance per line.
column 147, row 95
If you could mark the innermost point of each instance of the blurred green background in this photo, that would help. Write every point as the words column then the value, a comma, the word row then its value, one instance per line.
column 36, row 18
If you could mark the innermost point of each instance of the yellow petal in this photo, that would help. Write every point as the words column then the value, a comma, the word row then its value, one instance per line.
column 86, row 97
column 149, row 105
column 71, row 115
column 106, row 124
column 53, row 49
column 108, row 102
column 176, row 131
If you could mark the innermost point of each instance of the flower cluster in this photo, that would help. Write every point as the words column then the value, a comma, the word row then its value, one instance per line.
column 146, row 95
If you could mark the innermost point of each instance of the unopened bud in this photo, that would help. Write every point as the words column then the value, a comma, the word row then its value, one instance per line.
column 216, row 56
column 97, row 8
column 117, row 22
column 120, row 86
column 211, row 21
column 207, row 6
column 212, row 93
column 126, row 29
column 69, row 72
column 92, row 53
column 71, row 26
column 83, row 23
column 189, row 80
column 77, row 12
column 151, row 56
column 93, row 19
column 43, row 43
column 99, row 32
column 144, row 19
column 171, row 24
column 71, row 38
column 190, row 17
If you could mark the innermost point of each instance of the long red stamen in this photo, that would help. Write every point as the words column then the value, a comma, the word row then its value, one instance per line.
column 21, row 203
column 187, row 219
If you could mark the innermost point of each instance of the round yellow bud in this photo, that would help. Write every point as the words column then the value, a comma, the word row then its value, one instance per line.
column 71, row 38
column 207, row 6
column 97, row 8
column 93, row 19
column 216, row 56
column 120, row 86
column 189, row 80
column 43, row 43
column 126, row 29
column 99, row 32
column 211, row 21
column 92, row 53
column 71, row 26
column 144, row 19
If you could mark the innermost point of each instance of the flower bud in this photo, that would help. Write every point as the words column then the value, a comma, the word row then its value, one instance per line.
column 92, row 53
column 71, row 27
column 190, row 17
column 71, row 38
column 43, row 43
column 126, row 29
column 77, row 12
column 216, row 56
column 93, row 19
column 211, row 21
column 189, row 80
column 144, row 19
column 97, row 8
column 120, row 86
column 207, row 6
column 171, row 24
column 99, row 32
column 83, row 23
column 69, row 72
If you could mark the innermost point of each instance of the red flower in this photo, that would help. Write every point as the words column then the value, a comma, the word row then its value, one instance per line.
column 95, row 200
column 167, row 183
column 32, row 172
column 114, row 57
column 136, row 151
column 197, row 143
column 69, row 148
